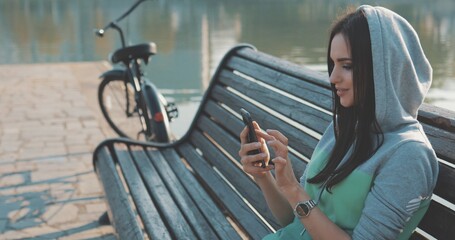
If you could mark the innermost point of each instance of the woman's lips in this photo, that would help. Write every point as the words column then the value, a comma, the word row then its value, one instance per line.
column 341, row 91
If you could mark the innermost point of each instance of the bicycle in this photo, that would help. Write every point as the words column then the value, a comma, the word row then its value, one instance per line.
column 131, row 103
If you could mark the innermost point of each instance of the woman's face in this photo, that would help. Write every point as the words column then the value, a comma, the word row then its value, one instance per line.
column 341, row 76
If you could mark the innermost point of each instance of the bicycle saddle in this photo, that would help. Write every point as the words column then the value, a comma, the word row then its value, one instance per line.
column 141, row 51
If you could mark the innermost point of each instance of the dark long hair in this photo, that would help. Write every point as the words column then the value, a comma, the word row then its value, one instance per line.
column 354, row 126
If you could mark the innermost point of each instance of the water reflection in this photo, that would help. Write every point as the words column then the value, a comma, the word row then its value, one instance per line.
column 193, row 35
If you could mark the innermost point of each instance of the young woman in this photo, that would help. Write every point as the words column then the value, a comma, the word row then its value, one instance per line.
column 373, row 172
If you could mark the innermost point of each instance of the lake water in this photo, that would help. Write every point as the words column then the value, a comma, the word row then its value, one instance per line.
column 193, row 35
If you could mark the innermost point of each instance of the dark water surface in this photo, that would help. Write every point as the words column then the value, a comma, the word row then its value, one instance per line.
column 192, row 36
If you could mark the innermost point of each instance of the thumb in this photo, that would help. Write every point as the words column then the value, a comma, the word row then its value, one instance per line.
column 280, row 164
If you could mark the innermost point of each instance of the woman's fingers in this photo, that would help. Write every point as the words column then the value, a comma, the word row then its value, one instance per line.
column 264, row 135
column 244, row 135
column 278, row 135
column 256, row 125
column 245, row 148
column 252, row 164
column 279, row 162
column 257, row 169
column 252, row 159
column 284, row 174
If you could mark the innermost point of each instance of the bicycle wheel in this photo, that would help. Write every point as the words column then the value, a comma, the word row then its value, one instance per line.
column 118, row 105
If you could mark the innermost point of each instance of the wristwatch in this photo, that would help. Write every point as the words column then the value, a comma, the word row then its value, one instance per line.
column 303, row 209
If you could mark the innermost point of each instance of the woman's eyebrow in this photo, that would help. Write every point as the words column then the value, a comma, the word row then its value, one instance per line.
column 344, row 59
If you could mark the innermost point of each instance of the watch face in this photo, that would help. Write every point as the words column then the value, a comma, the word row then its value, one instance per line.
column 302, row 209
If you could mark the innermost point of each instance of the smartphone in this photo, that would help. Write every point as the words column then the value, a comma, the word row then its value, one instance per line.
column 248, row 121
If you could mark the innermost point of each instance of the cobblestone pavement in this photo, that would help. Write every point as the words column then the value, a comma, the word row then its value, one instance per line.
column 49, row 126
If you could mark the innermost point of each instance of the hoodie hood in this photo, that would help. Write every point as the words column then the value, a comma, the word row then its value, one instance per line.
column 402, row 73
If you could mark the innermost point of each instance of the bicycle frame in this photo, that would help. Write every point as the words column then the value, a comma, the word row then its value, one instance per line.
column 135, row 74
column 136, row 80
column 133, row 68
column 151, row 106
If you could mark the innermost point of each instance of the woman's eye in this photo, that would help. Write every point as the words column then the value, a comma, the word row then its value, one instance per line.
column 347, row 66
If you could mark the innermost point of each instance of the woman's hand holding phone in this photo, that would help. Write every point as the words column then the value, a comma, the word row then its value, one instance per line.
column 255, row 156
column 253, row 152
column 252, row 164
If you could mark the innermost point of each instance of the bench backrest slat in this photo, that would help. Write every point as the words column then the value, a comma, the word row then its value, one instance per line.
column 442, row 141
column 437, row 116
column 445, row 187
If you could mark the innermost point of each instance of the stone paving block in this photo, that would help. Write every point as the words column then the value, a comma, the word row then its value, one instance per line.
column 11, row 180
column 60, row 159
column 15, row 215
column 58, row 214
column 85, row 235
column 34, row 144
column 25, row 165
column 33, row 188
column 53, row 177
column 89, row 231
column 14, row 234
column 73, row 125
column 96, row 208
column 54, row 151
column 90, row 123
column 75, row 148
column 8, row 157
column 9, row 148
column 65, row 166
column 55, row 144
column 7, row 192
column 6, row 168
column 29, row 154
column 25, row 218
column 10, row 137
column 89, row 187
column 41, row 231
column 11, row 132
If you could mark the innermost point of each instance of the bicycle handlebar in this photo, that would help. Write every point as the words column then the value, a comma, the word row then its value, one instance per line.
column 100, row 32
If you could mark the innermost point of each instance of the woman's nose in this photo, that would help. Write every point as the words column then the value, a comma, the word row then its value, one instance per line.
column 334, row 78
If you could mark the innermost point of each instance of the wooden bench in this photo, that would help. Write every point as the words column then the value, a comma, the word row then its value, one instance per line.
column 194, row 188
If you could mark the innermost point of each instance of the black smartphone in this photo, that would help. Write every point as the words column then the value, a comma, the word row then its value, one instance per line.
column 248, row 121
